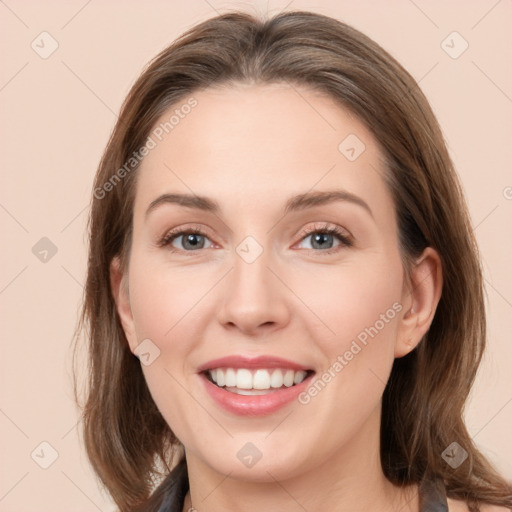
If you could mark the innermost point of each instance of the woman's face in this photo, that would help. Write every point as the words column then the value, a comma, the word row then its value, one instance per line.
column 263, row 296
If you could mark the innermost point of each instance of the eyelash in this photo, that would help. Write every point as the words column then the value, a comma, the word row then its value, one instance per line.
column 346, row 241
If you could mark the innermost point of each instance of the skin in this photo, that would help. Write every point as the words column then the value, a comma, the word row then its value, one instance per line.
column 251, row 147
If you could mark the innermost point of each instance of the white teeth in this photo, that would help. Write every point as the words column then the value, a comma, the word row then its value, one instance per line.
column 221, row 378
column 288, row 378
column 298, row 377
column 230, row 377
column 260, row 379
column 248, row 392
column 276, row 381
column 243, row 379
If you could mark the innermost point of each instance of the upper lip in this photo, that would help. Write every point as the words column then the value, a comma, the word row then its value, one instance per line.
column 239, row 361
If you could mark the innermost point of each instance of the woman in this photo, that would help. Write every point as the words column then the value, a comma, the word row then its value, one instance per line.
column 227, row 343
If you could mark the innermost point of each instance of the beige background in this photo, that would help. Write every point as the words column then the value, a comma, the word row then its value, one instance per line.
column 56, row 116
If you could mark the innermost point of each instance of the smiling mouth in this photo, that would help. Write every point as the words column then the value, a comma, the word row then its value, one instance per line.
column 261, row 381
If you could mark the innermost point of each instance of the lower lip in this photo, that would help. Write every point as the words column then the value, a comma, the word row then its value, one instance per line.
column 254, row 405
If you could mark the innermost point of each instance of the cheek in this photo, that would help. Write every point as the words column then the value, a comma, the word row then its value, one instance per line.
column 168, row 307
column 357, row 300
column 359, row 308
column 165, row 298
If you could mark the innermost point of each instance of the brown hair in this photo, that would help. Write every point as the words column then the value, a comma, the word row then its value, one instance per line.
column 127, row 440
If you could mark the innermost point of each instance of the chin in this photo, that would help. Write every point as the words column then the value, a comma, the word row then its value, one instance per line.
column 256, row 460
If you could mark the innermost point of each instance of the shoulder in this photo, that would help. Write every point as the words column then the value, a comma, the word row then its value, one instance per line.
column 461, row 506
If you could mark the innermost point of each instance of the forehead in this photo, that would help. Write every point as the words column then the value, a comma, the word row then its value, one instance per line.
column 252, row 144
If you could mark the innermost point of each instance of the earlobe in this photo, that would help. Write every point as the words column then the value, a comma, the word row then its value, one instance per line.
column 420, row 300
column 120, row 292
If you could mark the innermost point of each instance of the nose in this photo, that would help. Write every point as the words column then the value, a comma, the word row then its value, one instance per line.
column 254, row 297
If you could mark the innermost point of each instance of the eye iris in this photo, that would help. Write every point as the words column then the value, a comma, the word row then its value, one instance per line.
column 191, row 238
column 320, row 238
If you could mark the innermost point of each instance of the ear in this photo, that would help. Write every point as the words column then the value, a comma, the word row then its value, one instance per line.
column 119, row 286
column 420, row 297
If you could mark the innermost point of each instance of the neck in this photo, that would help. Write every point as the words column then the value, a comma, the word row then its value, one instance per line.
column 351, row 479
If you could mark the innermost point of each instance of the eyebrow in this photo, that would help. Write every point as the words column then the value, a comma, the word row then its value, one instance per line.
column 295, row 203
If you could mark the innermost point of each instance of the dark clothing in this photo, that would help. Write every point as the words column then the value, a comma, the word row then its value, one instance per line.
column 175, row 488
